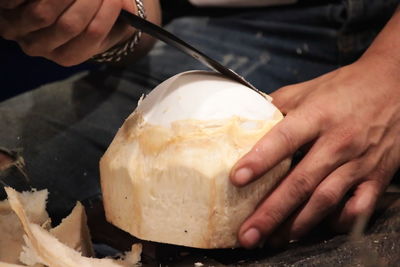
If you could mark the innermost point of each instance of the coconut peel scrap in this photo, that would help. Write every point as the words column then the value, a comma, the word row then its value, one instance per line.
column 4, row 264
column 55, row 247
column 11, row 238
column 74, row 233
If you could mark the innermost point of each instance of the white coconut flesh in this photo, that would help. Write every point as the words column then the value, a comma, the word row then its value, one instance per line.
column 165, row 176
column 204, row 96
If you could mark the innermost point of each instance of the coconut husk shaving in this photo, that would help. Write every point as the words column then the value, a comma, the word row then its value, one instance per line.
column 32, row 242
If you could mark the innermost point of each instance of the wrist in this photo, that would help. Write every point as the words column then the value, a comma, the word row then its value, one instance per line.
column 383, row 61
column 127, row 45
column 386, row 47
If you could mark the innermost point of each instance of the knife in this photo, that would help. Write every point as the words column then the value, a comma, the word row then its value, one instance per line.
column 167, row 37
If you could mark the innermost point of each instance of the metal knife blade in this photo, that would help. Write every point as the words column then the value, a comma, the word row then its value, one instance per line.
column 169, row 38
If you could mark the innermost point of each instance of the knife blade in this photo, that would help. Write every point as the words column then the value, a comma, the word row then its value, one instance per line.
column 171, row 39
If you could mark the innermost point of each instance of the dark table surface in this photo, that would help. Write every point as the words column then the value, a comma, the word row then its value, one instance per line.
column 78, row 111
column 377, row 245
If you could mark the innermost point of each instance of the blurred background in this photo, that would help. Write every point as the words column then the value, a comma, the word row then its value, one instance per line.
column 20, row 73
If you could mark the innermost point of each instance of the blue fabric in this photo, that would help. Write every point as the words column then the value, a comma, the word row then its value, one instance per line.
column 64, row 128
column 271, row 47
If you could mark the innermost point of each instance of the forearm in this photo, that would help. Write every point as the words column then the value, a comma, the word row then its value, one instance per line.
column 386, row 46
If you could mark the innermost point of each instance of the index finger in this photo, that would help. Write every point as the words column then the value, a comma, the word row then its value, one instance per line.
column 282, row 141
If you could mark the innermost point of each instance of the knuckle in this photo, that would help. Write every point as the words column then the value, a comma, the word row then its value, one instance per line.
column 6, row 31
column 7, row 35
column 301, row 186
column 327, row 115
column 356, row 169
column 32, row 46
column 95, row 31
column 287, row 138
column 340, row 147
column 70, row 26
column 41, row 17
column 319, row 113
column 268, row 219
column 281, row 96
column 326, row 198
column 381, row 171
column 29, row 49
column 258, row 161
column 347, row 140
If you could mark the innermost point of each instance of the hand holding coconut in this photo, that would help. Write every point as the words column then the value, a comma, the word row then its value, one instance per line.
column 350, row 119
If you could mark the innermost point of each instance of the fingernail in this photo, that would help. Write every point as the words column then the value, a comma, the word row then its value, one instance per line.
column 243, row 175
column 251, row 237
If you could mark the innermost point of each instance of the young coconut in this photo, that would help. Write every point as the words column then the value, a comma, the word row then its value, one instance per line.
column 165, row 176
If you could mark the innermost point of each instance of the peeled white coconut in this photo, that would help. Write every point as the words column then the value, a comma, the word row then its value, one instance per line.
column 165, row 175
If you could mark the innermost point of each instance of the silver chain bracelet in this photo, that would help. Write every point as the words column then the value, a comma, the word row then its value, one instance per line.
column 116, row 53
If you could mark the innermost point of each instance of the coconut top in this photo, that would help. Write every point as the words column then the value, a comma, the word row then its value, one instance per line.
column 201, row 95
